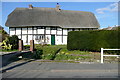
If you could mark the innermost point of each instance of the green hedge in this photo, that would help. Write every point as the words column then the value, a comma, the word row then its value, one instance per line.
column 93, row 40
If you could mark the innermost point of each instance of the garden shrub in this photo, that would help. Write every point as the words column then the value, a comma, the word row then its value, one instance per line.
column 93, row 40
column 38, row 54
column 14, row 40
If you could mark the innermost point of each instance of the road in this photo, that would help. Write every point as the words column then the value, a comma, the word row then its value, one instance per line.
column 36, row 69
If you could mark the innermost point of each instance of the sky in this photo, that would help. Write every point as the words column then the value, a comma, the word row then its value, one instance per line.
column 105, row 12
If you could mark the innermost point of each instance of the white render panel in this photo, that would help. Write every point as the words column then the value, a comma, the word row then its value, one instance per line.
column 53, row 31
column 59, row 32
column 35, row 32
column 12, row 31
column 58, row 40
column 47, row 31
column 65, row 32
column 29, row 30
column 19, row 36
column 40, row 31
column 18, row 31
column 35, row 41
column 64, row 39
column 29, row 38
column 24, row 38
column 48, row 39
column 24, row 31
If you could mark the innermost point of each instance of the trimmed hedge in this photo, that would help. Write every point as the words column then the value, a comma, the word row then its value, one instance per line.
column 93, row 40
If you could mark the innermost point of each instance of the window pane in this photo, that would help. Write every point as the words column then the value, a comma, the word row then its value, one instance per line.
column 59, row 29
column 40, row 27
column 53, row 28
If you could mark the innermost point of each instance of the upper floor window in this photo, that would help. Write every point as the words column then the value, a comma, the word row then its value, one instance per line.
column 59, row 29
column 12, row 29
column 35, row 28
column 41, row 27
column 69, row 29
column 47, row 28
column 76, row 29
column 53, row 28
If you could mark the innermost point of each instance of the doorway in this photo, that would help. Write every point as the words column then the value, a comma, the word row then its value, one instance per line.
column 52, row 39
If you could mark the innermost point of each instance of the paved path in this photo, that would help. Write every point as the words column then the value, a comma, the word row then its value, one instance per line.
column 5, row 56
column 36, row 69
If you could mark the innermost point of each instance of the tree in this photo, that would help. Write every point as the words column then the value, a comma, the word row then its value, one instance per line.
column 5, row 44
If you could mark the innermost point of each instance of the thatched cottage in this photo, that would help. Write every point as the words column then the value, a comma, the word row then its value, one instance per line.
column 48, row 25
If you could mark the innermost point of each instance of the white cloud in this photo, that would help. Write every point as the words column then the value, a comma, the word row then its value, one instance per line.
column 111, row 8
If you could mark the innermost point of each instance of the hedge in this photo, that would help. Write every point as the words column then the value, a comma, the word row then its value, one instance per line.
column 93, row 40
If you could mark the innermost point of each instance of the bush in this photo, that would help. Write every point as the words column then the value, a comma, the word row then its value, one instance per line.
column 38, row 54
column 93, row 40
column 14, row 40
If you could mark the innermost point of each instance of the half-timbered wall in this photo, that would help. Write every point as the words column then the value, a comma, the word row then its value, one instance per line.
column 42, row 34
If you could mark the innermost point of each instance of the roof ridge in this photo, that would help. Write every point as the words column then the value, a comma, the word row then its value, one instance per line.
column 54, row 8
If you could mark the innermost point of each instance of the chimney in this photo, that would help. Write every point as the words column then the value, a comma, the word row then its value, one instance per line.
column 58, row 7
column 30, row 6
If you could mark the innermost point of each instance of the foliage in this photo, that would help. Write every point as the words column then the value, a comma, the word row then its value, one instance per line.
column 38, row 54
column 4, row 34
column 10, row 42
column 92, row 40
column 14, row 40
column 3, row 31
column 47, row 56
column 5, row 44
column 49, row 52
column 65, row 54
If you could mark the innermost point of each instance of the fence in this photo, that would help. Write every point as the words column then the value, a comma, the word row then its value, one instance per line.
column 102, row 55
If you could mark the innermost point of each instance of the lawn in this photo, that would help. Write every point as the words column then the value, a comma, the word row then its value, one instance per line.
column 48, row 52
column 60, row 53
column 77, row 55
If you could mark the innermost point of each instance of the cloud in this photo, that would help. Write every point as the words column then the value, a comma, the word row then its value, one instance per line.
column 111, row 8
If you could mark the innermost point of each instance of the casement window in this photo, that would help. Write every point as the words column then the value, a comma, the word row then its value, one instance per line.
column 83, row 28
column 69, row 29
column 41, row 27
column 12, row 29
column 76, row 29
column 59, row 29
column 39, row 37
column 53, row 28
column 47, row 28
column 73, row 29
column 35, row 28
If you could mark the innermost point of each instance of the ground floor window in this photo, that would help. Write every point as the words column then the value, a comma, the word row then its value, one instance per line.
column 39, row 37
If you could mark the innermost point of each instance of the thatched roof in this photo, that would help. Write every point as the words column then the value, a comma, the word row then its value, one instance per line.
column 36, row 16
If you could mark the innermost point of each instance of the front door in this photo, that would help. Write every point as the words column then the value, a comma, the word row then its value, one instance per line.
column 52, row 39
